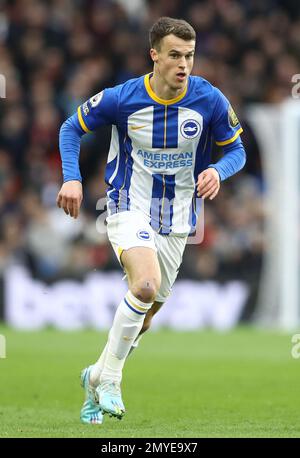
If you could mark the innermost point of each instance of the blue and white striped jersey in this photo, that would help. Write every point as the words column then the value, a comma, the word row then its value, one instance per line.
column 158, row 147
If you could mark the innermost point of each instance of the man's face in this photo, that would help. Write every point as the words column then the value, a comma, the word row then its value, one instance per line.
column 174, row 61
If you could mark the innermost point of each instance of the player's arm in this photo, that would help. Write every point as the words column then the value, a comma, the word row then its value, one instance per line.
column 70, row 195
column 233, row 161
column 99, row 110
column 226, row 129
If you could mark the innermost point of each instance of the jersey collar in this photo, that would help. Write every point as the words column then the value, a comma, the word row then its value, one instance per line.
column 157, row 99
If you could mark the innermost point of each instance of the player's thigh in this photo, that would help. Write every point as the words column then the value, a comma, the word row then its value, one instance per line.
column 133, row 241
column 141, row 265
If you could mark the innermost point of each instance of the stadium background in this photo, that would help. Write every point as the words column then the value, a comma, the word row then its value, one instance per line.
column 56, row 54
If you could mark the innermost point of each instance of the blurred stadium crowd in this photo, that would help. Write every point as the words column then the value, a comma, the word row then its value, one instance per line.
column 56, row 54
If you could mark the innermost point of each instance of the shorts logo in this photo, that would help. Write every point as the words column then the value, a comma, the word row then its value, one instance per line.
column 143, row 235
column 190, row 128
column 96, row 99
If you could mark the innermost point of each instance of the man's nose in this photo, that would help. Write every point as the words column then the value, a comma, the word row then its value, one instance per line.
column 182, row 63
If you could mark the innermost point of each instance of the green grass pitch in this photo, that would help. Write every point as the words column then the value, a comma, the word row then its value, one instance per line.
column 243, row 383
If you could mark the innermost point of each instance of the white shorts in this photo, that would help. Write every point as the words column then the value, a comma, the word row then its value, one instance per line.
column 132, row 229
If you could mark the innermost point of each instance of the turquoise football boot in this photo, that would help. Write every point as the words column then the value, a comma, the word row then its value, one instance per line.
column 110, row 401
column 90, row 413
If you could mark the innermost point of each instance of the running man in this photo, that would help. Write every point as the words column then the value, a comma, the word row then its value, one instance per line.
column 159, row 162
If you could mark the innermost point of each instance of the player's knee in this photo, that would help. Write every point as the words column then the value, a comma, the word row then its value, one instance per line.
column 145, row 290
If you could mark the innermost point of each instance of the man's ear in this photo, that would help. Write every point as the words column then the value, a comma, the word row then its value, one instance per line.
column 154, row 54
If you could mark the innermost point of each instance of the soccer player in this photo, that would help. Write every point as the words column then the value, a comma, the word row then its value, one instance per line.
column 159, row 161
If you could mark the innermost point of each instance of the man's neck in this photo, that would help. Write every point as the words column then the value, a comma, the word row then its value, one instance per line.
column 162, row 89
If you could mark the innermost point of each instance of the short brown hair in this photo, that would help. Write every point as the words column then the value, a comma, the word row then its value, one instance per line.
column 165, row 26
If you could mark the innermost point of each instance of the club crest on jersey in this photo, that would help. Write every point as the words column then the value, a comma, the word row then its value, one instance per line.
column 96, row 99
column 143, row 235
column 190, row 128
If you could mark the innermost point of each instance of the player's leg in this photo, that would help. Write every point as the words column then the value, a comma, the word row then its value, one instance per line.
column 143, row 272
column 125, row 231
column 146, row 324
column 88, row 413
column 170, row 251
column 98, row 366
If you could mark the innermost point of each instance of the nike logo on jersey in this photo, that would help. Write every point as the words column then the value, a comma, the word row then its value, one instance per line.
column 138, row 127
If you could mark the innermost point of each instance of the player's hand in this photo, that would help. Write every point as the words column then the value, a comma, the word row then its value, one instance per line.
column 208, row 183
column 70, row 197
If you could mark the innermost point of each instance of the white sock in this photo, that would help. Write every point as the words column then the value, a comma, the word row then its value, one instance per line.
column 98, row 366
column 97, row 369
column 126, row 327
